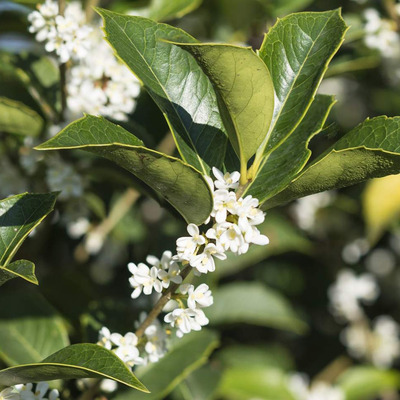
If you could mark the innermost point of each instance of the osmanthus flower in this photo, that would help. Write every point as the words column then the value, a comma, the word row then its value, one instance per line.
column 105, row 338
column 232, row 239
column 126, row 348
column 155, row 347
column 9, row 394
column 172, row 275
column 226, row 181
column 301, row 390
column 144, row 279
column 163, row 263
column 186, row 320
column 43, row 20
column 199, row 297
column 187, row 245
column 27, row 393
column 224, row 201
column 204, row 262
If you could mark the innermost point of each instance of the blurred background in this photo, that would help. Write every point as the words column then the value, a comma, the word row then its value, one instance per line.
column 323, row 299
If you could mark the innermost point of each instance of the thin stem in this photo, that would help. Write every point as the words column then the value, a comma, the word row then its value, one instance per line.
column 390, row 7
column 89, row 9
column 63, row 71
column 165, row 298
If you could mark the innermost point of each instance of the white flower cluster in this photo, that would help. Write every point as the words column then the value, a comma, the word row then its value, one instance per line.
column 380, row 34
column 232, row 226
column 97, row 83
column 348, row 291
column 27, row 392
column 379, row 345
column 67, row 34
column 300, row 387
column 151, row 348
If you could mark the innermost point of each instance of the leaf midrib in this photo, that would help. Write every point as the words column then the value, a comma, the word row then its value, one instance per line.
column 165, row 92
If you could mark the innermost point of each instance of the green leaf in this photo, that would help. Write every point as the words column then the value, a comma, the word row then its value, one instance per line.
column 297, row 51
column 175, row 82
column 381, row 205
column 253, row 303
column 364, row 383
column 179, row 183
column 243, row 383
column 19, row 119
column 284, row 163
column 22, row 268
column 162, row 10
column 77, row 361
column 371, row 150
column 30, row 328
column 244, row 90
column 19, row 215
column 284, row 7
column 185, row 356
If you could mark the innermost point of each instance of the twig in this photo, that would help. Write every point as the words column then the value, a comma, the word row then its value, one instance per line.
column 334, row 369
column 166, row 296
column 89, row 8
column 390, row 7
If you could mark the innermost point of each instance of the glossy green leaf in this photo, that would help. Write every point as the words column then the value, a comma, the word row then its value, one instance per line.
column 19, row 119
column 367, row 383
column 370, row 150
column 175, row 82
column 77, row 361
column 22, row 268
column 186, row 355
column 19, row 215
column 243, row 383
column 297, row 51
column 162, row 10
column 179, row 183
column 284, row 163
column 244, row 89
column 30, row 328
column 253, row 303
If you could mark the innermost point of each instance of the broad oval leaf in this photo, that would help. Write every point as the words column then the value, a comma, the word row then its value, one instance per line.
column 186, row 355
column 253, row 303
column 371, row 150
column 179, row 183
column 30, row 328
column 19, row 119
column 244, row 90
column 364, row 382
column 297, row 51
column 19, row 215
column 85, row 360
column 175, row 82
column 285, row 162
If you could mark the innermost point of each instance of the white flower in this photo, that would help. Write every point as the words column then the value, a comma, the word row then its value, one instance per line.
column 227, row 181
column 78, row 227
column 143, row 279
column 155, row 347
column 299, row 386
column 199, row 297
column 224, row 201
column 172, row 275
column 164, row 263
column 248, row 212
column 347, row 292
column 232, row 239
column 26, row 391
column 204, row 262
column 186, row 320
column 105, row 338
column 187, row 245
column 9, row 394
column 126, row 348
column 108, row 385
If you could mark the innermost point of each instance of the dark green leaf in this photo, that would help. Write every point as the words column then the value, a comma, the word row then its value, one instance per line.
column 84, row 360
column 30, row 328
column 175, row 82
column 253, row 303
column 244, row 90
column 297, row 51
column 185, row 356
column 370, row 150
column 179, row 183
column 19, row 215
column 19, row 119
column 364, row 383
column 22, row 268
column 284, row 163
